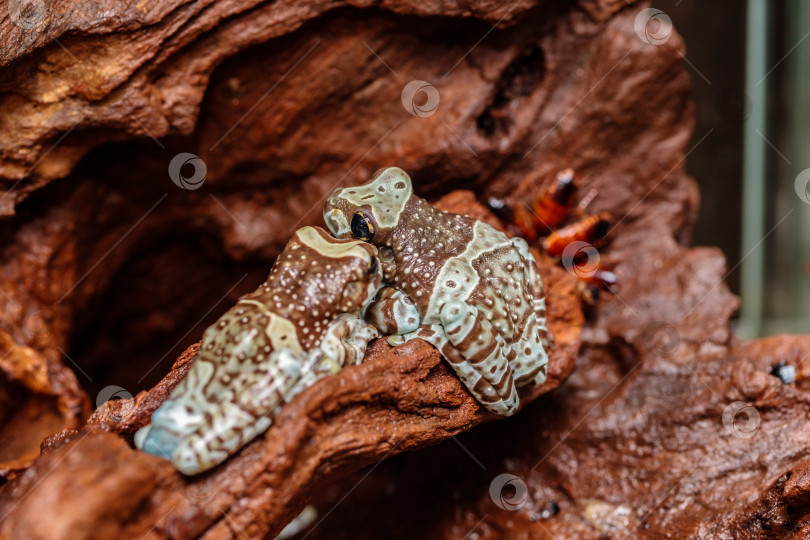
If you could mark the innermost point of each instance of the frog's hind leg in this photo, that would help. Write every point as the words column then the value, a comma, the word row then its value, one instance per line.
column 531, row 349
column 243, row 412
column 535, row 284
column 531, row 360
column 478, row 354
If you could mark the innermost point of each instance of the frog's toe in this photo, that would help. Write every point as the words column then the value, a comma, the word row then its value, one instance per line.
column 172, row 423
column 157, row 442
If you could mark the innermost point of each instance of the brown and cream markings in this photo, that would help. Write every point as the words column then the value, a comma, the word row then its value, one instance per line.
column 300, row 325
column 477, row 291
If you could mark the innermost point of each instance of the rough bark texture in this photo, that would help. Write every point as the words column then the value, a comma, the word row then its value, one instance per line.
column 109, row 272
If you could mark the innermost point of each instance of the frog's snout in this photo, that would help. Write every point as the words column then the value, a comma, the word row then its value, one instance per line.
column 336, row 223
column 332, row 201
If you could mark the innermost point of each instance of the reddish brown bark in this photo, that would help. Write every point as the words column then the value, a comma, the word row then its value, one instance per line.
column 285, row 101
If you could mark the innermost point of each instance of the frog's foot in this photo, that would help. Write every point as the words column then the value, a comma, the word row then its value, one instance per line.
column 393, row 312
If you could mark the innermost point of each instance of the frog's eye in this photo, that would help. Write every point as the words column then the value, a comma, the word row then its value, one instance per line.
column 373, row 266
column 362, row 229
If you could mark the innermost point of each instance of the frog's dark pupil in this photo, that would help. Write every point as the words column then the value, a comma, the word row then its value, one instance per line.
column 360, row 227
column 373, row 266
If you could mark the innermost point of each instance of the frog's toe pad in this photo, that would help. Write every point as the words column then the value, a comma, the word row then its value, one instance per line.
column 157, row 442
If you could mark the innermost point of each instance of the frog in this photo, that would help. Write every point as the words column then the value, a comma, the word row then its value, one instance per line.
column 303, row 323
column 477, row 292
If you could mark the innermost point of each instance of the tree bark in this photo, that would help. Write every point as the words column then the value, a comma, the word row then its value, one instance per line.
column 106, row 263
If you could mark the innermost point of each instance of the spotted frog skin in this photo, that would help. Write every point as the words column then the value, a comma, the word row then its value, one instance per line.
column 300, row 325
column 477, row 292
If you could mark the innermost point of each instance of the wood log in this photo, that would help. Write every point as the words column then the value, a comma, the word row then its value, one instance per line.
column 283, row 102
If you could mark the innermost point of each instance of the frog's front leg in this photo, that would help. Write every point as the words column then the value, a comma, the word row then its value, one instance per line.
column 477, row 353
column 343, row 344
column 393, row 312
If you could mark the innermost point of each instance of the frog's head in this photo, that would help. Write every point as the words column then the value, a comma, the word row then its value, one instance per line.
column 369, row 212
column 326, row 274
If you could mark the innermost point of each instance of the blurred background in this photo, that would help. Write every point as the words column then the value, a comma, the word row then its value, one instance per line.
column 751, row 89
